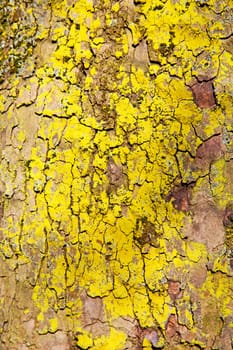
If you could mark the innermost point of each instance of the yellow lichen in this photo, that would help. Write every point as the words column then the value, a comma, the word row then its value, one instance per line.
column 99, row 187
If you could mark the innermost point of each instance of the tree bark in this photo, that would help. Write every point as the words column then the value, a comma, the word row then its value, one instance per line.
column 116, row 174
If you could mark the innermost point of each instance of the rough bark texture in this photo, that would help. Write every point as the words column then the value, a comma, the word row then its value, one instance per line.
column 116, row 174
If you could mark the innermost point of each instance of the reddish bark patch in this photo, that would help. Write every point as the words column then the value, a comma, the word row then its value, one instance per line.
column 174, row 290
column 203, row 94
column 181, row 197
column 171, row 326
column 210, row 149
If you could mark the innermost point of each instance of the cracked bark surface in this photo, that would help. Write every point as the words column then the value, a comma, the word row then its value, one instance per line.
column 116, row 175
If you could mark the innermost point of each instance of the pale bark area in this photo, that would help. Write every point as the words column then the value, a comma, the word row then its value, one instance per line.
column 116, row 175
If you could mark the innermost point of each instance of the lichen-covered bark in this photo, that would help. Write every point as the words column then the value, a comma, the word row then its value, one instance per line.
column 116, row 174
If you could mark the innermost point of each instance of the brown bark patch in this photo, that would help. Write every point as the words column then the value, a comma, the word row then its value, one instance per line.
column 1, row 212
column 206, row 219
column 231, row 264
column 203, row 94
column 141, row 54
column 228, row 216
column 115, row 175
column 198, row 275
column 57, row 341
column 145, row 232
column 114, row 172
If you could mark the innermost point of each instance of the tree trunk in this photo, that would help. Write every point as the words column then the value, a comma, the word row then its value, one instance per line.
column 116, row 174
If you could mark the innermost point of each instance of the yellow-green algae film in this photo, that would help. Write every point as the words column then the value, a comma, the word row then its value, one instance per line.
column 116, row 174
